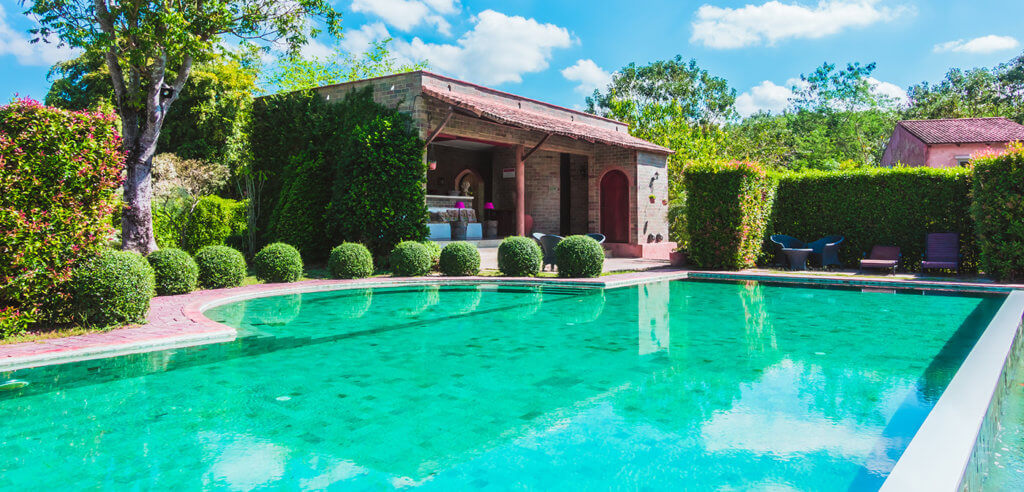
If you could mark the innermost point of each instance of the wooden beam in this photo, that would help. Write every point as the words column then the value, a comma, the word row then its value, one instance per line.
column 535, row 147
column 451, row 111
column 520, row 191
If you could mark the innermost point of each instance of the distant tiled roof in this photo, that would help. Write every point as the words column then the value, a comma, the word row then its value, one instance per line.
column 964, row 130
column 505, row 112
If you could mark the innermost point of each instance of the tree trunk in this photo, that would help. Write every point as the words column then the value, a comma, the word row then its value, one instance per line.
column 140, row 134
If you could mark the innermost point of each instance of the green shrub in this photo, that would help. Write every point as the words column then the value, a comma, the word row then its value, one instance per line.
column 728, row 206
column 112, row 289
column 435, row 254
column 876, row 206
column 175, row 271
column 210, row 223
column 459, row 259
column 410, row 259
column 998, row 212
column 360, row 175
column 59, row 174
column 278, row 262
column 350, row 260
column 519, row 257
column 220, row 267
column 579, row 256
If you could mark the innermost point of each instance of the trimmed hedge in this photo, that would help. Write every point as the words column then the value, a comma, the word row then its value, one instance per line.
column 459, row 259
column 728, row 207
column 435, row 253
column 277, row 263
column 998, row 212
column 579, row 256
column 350, row 260
column 876, row 206
column 519, row 257
column 112, row 289
column 59, row 174
column 175, row 271
column 220, row 267
column 410, row 259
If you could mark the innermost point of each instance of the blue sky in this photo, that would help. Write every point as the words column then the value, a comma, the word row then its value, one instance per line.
column 558, row 51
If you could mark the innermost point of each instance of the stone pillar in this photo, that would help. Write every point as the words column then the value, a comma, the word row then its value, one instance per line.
column 520, row 191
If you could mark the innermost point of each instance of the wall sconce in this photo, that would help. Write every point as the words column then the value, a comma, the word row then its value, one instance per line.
column 653, row 179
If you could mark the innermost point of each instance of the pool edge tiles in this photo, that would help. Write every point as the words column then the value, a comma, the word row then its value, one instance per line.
column 939, row 456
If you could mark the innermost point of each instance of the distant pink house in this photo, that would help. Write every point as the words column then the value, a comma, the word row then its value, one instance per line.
column 948, row 142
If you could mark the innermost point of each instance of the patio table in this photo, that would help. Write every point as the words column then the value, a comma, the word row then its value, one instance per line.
column 797, row 257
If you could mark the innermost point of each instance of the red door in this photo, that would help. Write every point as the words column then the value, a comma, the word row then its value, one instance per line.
column 615, row 207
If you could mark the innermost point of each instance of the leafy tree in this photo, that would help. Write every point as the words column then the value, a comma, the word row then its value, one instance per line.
column 149, row 49
column 973, row 93
column 295, row 73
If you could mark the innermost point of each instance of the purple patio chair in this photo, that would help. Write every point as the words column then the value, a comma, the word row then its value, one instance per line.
column 942, row 251
column 882, row 257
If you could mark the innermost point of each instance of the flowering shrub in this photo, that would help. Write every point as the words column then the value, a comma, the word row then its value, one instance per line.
column 998, row 211
column 728, row 209
column 59, row 171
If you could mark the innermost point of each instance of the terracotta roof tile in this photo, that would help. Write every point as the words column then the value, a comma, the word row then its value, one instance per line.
column 965, row 130
column 501, row 112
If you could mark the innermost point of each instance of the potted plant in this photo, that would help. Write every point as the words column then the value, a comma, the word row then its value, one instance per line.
column 652, row 197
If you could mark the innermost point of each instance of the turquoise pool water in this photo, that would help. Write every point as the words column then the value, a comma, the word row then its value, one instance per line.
column 726, row 386
column 1004, row 462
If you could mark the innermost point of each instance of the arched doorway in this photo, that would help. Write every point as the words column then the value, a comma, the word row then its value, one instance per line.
column 469, row 183
column 615, row 207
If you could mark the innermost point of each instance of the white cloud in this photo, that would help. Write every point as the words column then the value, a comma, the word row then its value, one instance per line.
column 358, row 41
column 588, row 75
column 771, row 97
column 984, row 44
column 722, row 27
column 16, row 43
column 407, row 14
column 498, row 49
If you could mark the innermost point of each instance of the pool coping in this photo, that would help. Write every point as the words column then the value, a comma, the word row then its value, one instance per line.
column 938, row 456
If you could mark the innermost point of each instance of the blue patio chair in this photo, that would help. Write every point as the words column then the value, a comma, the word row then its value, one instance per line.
column 547, row 246
column 826, row 250
column 597, row 237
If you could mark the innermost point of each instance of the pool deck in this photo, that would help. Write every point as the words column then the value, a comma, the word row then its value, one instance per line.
column 177, row 321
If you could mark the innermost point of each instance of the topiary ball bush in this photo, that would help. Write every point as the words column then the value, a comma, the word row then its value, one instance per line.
column 519, row 257
column 435, row 254
column 459, row 259
column 220, row 267
column 113, row 288
column 278, row 262
column 350, row 260
column 175, row 271
column 410, row 259
column 579, row 256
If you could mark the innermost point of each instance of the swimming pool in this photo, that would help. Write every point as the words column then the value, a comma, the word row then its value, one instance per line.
column 726, row 385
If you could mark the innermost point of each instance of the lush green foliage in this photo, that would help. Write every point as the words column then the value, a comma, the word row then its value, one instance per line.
column 519, row 257
column 59, row 172
column 579, row 256
column 410, row 259
column 296, row 73
column 113, row 288
column 193, row 225
column 220, row 267
column 998, row 212
column 977, row 92
column 874, row 206
column 459, row 259
column 435, row 253
column 359, row 178
column 728, row 208
column 350, row 260
column 176, row 272
column 278, row 262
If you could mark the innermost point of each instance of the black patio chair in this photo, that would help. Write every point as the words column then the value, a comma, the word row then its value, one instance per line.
column 826, row 251
column 547, row 246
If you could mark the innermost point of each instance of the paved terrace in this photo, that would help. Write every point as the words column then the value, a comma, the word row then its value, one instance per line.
column 177, row 321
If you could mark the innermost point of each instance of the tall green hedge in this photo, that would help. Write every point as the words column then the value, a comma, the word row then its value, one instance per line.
column 335, row 171
column 876, row 206
column 998, row 211
column 728, row 206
